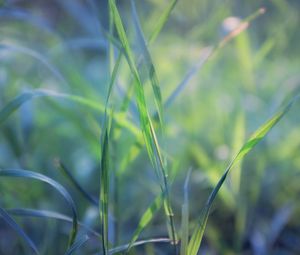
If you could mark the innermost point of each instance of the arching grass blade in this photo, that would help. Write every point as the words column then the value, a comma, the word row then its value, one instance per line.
column 162, row 21
column 18, row 101
column 27, row 212
column 75, row 183
column 257, row 136
column 20, row 173
column 9, row 220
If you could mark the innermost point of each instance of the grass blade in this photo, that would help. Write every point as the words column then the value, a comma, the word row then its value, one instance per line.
column 75, row 183
column 40, row 177
column 81, row 241
column 146, row 218
column 39, row 57
column 124, row 247
column 104, row 192
column 257, row 136
column 26, row 212
column 10, row 221
column 162, row 21
column 145, row 120
column 185, row 217
column 18, row 101
column 149, row 63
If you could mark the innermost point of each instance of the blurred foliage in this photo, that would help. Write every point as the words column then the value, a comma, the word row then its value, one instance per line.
column 61, row 46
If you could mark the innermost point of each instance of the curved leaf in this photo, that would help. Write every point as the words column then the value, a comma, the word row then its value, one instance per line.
column 257, row 136
column 18, row 229
column 40, row 177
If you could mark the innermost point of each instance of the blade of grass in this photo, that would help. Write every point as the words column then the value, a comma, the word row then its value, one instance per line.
column 58, row 187
column 104, row 192
column 18, row 101
column 257, row 136
column 39, row 57
column 185, row 217
column 124, row 247
column 149, row 63
column 26, row 212
column 146, row 218
column 14, row 225
column 80, row 242
column 75, row 183
column 145, row 120
column 162, row 21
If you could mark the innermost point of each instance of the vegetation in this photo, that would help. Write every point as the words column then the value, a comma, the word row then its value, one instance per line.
column 146, row 127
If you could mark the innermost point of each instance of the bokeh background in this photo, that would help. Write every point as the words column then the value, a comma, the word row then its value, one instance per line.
column 59, row 45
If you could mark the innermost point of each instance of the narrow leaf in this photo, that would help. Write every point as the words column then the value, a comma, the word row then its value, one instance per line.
column 10, row 221
column 18, row 101
column 257, row 136
column 40, row 177
column 75, row 183
column 162, row 21
column 146, row 218
column 81, row 241
column 26, row 212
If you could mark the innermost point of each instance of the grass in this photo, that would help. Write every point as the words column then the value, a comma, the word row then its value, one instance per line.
column 125, row 120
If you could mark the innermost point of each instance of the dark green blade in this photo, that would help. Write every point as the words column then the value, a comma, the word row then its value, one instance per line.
column 20, row 173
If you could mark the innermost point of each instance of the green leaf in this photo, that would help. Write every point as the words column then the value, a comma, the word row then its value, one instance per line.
column 26, row 212
column 75, row 183
column 10, row 221
column 185, row 216
column 146, row 218
column 104, row 191
column 18, row 101
column 148, row 131
column 162, row 21
column 257, row 136
column 40, row 177
column 149, row 63
column 124, row 247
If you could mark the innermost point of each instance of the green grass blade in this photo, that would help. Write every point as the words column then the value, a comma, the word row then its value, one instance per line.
column 257, row 136
column 124, row 247
column 104, row 191
column 149, row 63
column 18, row 101
column 146, row 218
column 185, row 217
column 162, row 21
column 39, row 57
column 27, row 212
column 10, row 221
column 58, row 187
column 80, row 242
column 75, row 183
column 146, row 123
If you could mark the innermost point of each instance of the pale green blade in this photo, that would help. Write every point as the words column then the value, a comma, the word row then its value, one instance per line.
column 18, row 101
column 146, row 218
column 149, row 63
column 162, row 21
column 257, row 136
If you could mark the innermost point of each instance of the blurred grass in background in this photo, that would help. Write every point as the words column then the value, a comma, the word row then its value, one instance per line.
column 60, row 46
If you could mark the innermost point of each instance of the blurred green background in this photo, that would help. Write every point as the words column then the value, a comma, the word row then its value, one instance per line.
column 59, row 45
